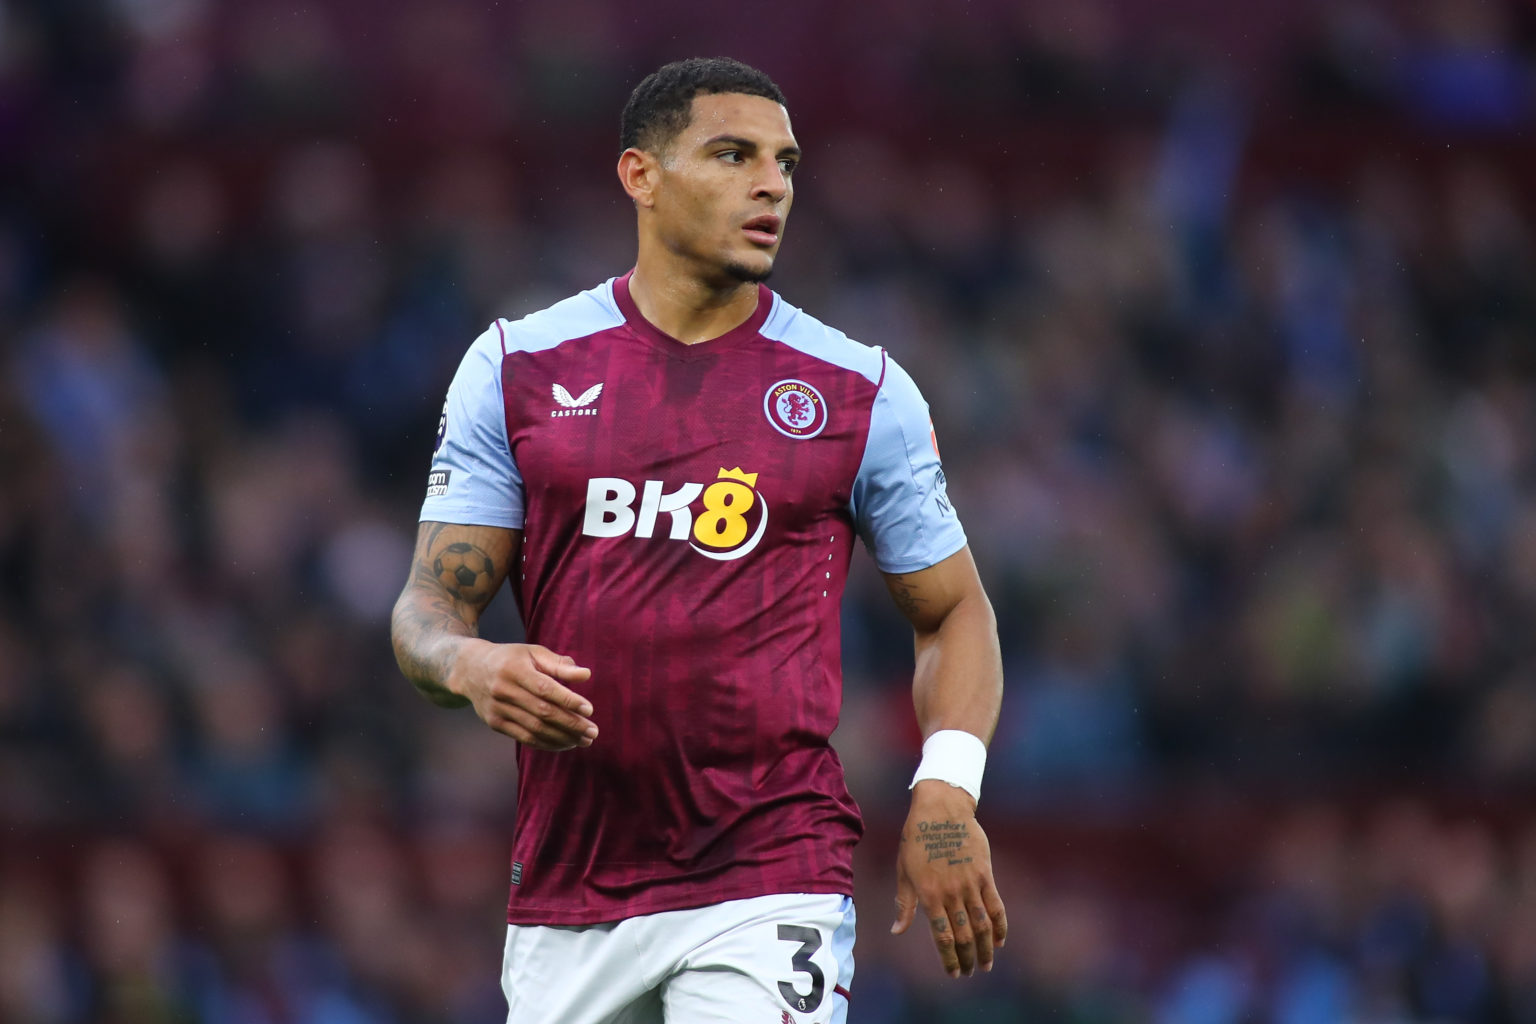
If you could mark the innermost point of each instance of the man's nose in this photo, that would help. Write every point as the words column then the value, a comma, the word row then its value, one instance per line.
column 772, row 184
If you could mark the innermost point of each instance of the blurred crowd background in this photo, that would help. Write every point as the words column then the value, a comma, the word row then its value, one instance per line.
column 1227, row 314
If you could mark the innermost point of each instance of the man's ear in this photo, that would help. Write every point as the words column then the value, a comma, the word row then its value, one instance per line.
column 638, row 173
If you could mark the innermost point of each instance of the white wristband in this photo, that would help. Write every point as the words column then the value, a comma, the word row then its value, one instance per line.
column 956, row 757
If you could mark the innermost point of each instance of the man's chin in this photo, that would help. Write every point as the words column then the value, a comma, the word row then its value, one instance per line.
column 749, row 273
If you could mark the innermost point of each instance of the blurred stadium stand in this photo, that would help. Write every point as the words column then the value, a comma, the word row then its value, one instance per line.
column 1227, row 313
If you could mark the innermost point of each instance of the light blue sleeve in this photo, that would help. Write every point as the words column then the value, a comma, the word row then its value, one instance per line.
column 474, row 480
column 899, row 502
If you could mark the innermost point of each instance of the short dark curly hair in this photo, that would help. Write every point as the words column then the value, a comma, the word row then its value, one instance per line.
column 662, row 103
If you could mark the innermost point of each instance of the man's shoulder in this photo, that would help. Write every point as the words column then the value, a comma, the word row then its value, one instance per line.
column 792, row 326
column 579, row 316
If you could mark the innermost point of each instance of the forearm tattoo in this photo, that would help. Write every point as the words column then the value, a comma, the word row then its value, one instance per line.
column 452, row 581
column 943, row 840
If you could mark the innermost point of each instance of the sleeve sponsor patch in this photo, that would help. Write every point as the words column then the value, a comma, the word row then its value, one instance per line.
column 941, row 492
column 437, row 483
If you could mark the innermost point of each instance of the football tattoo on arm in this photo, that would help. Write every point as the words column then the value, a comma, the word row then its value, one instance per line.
column 520, row 690
column 944, row 862
column 454, row 575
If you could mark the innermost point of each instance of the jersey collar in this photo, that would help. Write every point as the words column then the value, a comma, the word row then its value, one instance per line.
column 659, row 339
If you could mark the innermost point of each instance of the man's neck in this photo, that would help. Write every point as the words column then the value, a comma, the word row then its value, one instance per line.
column 687, row 308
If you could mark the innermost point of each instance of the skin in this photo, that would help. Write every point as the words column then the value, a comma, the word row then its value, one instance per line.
column 943, row 862
column 734, row 162
column 520, row 690
column 695, row 278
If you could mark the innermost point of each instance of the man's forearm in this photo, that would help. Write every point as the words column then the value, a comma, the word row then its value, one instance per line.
column 455, row 573
column 944, row 862
column 520, row 690
column 428, row 633
column 958, row 683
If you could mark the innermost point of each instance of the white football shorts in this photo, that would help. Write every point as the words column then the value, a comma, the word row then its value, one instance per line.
column 785, row 959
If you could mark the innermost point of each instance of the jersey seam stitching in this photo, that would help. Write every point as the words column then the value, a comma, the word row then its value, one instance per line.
column 501, row 399
column 795, row 312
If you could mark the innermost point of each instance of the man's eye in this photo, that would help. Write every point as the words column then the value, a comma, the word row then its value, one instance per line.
column 787, row 166
column 731, row 156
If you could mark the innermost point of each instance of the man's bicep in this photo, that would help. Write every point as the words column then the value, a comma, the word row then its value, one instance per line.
column 468, row 563
column 927, row 596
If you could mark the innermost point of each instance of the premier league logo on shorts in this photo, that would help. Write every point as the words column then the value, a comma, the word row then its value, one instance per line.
column 795, row 409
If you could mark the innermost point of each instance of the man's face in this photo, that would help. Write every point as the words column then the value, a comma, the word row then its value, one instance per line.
column 725, row 186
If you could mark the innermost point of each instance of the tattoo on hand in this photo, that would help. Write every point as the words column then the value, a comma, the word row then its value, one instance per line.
column 960, row 919
column 940, row 924
column 943, row 840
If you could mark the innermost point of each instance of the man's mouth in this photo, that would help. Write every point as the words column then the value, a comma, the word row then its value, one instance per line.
column 763, row 230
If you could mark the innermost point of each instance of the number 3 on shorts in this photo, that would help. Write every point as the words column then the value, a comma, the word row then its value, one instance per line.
column 810, row 942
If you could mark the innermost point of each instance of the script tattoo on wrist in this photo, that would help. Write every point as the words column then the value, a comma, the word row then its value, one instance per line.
column 943, row 840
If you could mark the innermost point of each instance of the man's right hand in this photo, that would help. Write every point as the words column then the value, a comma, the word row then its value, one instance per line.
column 520, row 691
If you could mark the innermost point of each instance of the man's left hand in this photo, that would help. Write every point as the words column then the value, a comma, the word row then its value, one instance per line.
column 944, row 866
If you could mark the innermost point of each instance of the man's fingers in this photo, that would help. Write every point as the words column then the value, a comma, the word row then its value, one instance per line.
column 536, row 687
column 965, row 936
column 546, row 711
column 521, row 698
column 981, row 927
column 529, row 730
column 995, row 910
column 944, row 940
column 562, row 667
column 510, row 722
column 963, row 932
column 906, row 906
column 551, row 689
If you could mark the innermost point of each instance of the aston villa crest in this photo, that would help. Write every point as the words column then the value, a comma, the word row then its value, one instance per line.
column 795, row 409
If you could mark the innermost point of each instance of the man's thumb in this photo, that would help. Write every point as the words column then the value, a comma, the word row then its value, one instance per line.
column 906, row 907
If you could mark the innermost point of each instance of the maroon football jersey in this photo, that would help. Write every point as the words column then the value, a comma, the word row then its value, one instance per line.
column 688, row 513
